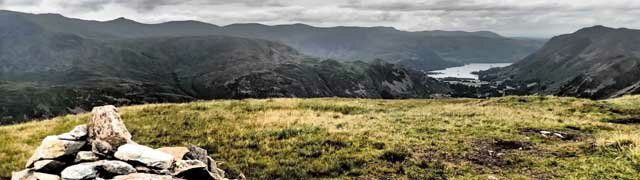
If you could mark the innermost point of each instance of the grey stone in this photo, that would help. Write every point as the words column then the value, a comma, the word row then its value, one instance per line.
column 29, row 174
column 102, row 148
column 49, row 166
column 52, row 148
column 118, row 167
column 197, row 153
column 192, row 169
column 107, row 132
column 145, row 155
column 78, row 133
column 85, row 156
column 144, row 169
column 81, row 171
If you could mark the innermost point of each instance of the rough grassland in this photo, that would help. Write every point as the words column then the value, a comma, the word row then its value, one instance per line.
column 383, row 139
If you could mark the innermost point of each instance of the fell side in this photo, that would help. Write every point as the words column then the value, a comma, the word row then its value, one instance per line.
column 510, row 137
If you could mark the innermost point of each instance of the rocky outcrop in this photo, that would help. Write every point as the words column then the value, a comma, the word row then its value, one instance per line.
column 103, row 149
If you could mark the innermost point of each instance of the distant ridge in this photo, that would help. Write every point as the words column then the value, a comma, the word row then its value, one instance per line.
column 594, row 62
column 426, row 50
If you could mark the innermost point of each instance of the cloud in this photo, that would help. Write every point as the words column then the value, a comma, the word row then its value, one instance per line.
column 508, row 17
column 139, row 5
column 148, row 5
column 451, row 5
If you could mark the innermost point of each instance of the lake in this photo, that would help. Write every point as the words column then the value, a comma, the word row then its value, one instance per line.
column 466, row 70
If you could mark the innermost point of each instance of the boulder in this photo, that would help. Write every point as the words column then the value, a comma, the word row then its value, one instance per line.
column 52, row 148
column 107, row 132
column 192, row 169
column 177, row 152
column 145, row 155
column 117, row 168
column 197, row 153
column 32, row 175
column 143, row 176
column 81, row 171
column 79, row 133
column 86, row 156
column 49, row 166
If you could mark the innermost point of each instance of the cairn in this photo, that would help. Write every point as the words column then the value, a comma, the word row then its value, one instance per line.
column 103, row 149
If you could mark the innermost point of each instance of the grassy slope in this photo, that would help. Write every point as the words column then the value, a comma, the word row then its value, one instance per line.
column 415, row 139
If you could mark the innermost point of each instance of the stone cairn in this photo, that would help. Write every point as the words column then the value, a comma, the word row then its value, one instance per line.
column 103, row 149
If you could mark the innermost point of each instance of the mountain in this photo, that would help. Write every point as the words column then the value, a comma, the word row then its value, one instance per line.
column 596, row 62
column 45, row 72
column 427, row 50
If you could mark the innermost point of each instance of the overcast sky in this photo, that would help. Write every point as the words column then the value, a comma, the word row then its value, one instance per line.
column 532, row 18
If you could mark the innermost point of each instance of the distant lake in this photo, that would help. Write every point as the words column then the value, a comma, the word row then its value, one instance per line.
column 466, row 70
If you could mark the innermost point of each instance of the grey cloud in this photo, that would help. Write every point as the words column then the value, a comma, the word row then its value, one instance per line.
column 20, row 2
column 148, row 5
column 510, row 17
column 446, row 5
column 85, row 5
column 142, row 5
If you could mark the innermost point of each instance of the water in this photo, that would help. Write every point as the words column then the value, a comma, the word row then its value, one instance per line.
column 466, row 70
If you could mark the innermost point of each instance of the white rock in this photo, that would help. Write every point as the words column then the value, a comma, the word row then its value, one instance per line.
column 545, row 132
column 145, row 155
column 81, row 171
column 78, row 133
column 558, row 135
column 52, row 147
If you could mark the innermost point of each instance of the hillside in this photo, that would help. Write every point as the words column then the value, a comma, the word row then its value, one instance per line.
column 428, row 50
column 510, row 137
column 45, row 73
column 596, row 62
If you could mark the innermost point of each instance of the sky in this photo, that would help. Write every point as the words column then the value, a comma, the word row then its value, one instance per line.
column 523, row 18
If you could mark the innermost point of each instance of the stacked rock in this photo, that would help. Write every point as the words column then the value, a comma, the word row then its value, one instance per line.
column 103, row 149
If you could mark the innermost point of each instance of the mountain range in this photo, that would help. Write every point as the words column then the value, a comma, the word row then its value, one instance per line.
column 596, row 62
column 52, row 65
column 46, row 72
column 425, row 50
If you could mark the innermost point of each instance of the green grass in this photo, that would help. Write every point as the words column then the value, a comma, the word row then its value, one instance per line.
column 333, row 138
